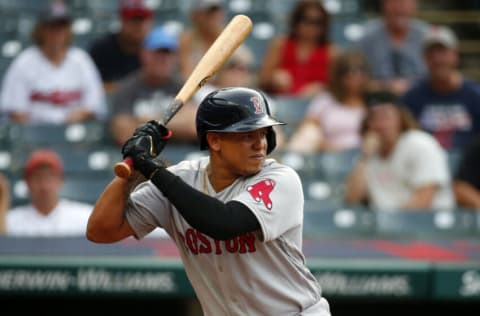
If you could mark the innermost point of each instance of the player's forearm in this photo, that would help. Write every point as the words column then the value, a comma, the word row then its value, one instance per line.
column 356, row 187
column 466, row 195
column 207, row 214
column 422, row 198
column 107, row 222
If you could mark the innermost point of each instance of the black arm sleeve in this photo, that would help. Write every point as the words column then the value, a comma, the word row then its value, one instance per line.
column 210, row 216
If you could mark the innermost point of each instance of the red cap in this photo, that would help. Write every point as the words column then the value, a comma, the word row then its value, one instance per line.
column 135, row 8
column 43, row 157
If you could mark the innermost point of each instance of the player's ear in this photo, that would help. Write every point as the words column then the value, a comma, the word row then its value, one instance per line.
column 213, row 140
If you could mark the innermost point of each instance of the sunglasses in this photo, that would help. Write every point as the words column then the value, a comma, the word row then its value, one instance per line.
column 213, row 9
column 238, row 66
column 353, row 69
column 311, row 21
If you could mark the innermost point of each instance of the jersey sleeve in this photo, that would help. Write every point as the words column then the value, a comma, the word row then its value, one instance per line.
column 430, row 167
column 147, row 209
column 276, row 198
column 15, row 94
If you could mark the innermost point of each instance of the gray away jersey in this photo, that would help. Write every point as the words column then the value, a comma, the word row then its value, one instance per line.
column 258, row 273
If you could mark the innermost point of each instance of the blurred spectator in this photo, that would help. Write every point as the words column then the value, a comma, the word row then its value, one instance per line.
column 333, row 117
column 52, row 82
column 467, row 178
column 237, row 72
column 298, row 63
column 116, row 54
column 400, row 167
column 445, row 104
column 48, row 215
column 393, row 46
column 145, row 94
column 4, row 202
column 207, row 21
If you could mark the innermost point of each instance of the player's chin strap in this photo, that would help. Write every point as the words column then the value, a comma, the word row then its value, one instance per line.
column 207, row 214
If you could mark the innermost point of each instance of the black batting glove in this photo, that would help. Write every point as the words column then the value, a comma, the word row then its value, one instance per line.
column 147, row 142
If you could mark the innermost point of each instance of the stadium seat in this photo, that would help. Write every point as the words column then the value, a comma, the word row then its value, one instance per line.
column 336, row 166
column 86, row 161
column 95, row 7
column 76, row 187
column 323, row 205
column 324, row 193
column 303, row 164
column 338, row 222
column 264, row 29
column 83, row 189
column 6, row 161
column 4, row 134
column 454, row 157
column 290, row 110
column 176, row 152
column 37, row 135
column 424, row 223
column 477, row 215
column 19, row 190
column 18, row 6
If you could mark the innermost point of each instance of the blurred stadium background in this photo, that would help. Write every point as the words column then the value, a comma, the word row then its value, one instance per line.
column 414, row 263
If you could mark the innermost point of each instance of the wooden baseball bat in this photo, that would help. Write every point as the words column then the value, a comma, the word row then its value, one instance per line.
column 226, row 43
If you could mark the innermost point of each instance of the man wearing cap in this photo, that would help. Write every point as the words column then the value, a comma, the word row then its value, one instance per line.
column 51, row 81
column 145, row 94
column 47, row 215
column 400, row 167
column 207, row 18
column 116, row 54
column 445, row 103
column 392, row 45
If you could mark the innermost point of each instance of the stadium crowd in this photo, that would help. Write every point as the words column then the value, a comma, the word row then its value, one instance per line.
column 394, row 100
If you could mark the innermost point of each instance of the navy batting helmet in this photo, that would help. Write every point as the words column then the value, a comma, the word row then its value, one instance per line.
column 235, row 110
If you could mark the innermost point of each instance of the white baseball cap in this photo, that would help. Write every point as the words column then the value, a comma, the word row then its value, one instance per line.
column 440, row 35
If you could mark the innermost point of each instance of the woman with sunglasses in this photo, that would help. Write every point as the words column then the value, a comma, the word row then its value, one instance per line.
column 298, row 63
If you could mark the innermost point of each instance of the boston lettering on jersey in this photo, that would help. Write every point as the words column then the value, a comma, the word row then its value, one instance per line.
column 198, row 243
column 58, row 98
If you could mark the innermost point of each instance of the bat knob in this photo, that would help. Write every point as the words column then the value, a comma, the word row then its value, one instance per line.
column 124, row 169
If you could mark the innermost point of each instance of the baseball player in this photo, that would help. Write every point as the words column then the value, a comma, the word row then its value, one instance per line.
column 236, row 216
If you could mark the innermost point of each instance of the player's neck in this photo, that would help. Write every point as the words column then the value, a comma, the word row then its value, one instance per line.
column 219, row 178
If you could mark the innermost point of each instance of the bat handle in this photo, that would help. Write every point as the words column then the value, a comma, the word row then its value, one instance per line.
column 124, row 169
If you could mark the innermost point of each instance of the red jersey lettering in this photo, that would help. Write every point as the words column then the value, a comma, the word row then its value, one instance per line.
column 197, row 243
column 57, row 98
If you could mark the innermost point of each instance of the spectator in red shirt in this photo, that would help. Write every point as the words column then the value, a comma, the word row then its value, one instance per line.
column 298, row 63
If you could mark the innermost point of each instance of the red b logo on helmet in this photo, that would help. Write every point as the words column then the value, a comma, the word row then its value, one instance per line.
column 257, row 103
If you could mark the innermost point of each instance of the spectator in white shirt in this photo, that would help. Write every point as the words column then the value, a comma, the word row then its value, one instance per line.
column 51, row 81
column 47, row 215
column 400, row 167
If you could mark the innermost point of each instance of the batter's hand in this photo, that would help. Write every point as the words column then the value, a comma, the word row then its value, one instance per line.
column 147, row 142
